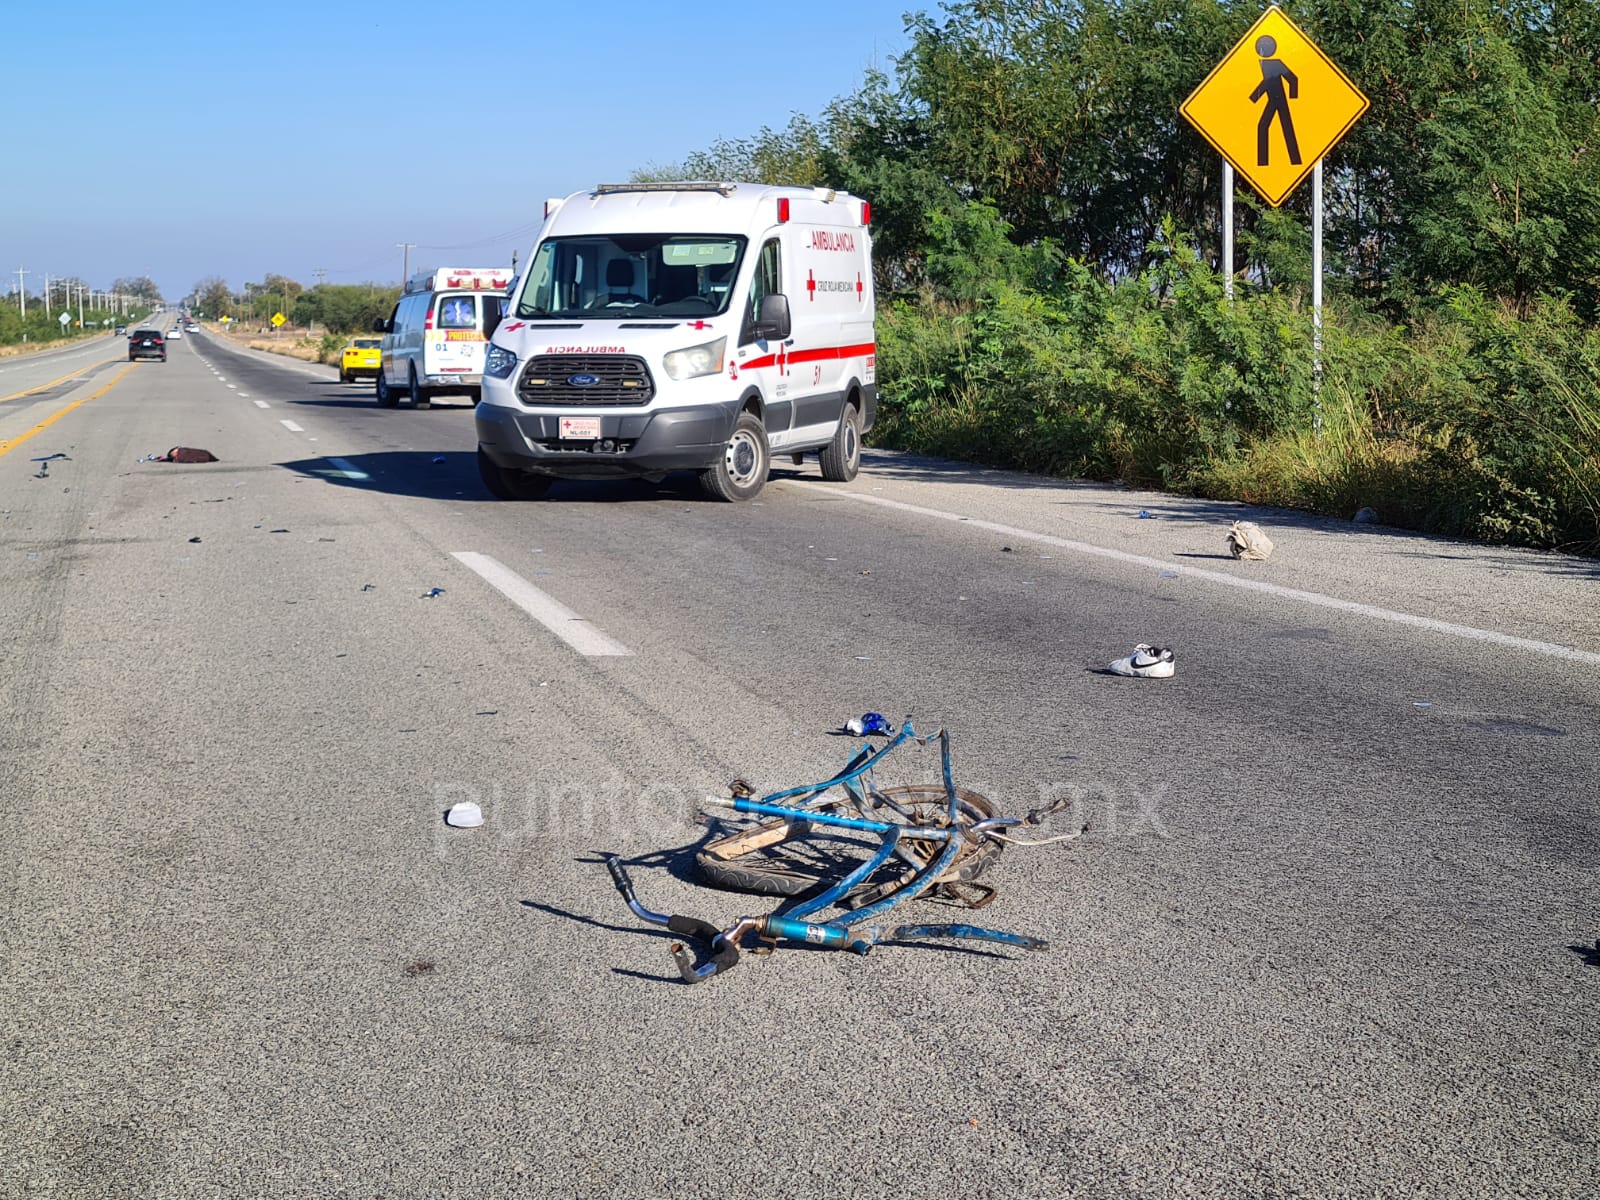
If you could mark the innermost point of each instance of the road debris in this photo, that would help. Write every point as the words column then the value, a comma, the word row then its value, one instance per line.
column 1365, row 516
column 1247, row 540
column 431, row 593
column 1146, row 662
column 465, row 815
column 868, row 723
column 183, row 454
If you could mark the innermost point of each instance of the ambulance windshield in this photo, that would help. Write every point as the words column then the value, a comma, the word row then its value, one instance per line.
column 631, row 276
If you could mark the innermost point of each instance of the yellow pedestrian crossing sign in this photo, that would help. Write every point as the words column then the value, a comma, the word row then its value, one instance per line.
column 1274, row 106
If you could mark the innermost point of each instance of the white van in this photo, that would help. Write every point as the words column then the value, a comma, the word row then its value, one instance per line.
column 684, row 326
column 434, row 340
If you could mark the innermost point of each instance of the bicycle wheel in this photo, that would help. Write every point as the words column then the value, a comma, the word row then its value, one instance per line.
column 780, row 857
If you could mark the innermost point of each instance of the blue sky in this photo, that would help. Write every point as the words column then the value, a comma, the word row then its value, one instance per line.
column 190, row 139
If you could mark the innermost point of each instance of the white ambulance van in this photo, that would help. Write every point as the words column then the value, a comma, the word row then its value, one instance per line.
column 683, row 327
column 434, row 340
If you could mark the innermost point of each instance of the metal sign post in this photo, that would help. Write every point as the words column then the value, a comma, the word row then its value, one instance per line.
column 1227, row 229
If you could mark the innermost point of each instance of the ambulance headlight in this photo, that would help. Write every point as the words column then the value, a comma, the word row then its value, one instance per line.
column 499, row 363
column 696, row 360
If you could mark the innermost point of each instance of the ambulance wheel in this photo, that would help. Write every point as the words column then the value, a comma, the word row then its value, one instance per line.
column 419, row 394
column 504, row 484
column 841, row 458
column 386, row 396
column 742, row 472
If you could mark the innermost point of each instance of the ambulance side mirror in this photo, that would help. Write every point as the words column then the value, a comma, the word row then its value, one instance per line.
column 493, row 313
column 772, row 324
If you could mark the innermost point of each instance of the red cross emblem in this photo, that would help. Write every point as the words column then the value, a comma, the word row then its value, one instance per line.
column 783, row 359
column 514, row 326
column 811, row 283
column 699, row 324
column 860, row 287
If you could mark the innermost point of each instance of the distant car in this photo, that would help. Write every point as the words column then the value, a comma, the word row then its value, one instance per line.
column 174, row 334
column 146, row 343
column 191, row 327
column 362, row 359
column 121, row 330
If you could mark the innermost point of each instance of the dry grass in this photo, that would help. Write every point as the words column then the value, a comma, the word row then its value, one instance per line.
column 305, row 348
column 20, row 348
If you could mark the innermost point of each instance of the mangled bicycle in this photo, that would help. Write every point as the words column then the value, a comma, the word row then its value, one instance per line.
column 921, row 841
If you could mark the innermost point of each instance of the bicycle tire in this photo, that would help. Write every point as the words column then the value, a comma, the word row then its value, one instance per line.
column 787, row 861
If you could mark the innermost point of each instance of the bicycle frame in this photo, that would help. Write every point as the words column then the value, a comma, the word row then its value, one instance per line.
column 849, row 931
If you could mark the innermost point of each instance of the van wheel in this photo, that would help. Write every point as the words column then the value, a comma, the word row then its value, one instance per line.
column 506, row 484
column 841, row 458
column 743, row 470
column 419, row 394
column 386, row 396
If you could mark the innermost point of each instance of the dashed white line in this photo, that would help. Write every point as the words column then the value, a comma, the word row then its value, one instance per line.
column 291, row 426
column 1466, row 632
column 261, row 404
column 545, row 609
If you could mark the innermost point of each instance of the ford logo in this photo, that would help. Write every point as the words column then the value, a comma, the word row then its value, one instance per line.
column 583, row 380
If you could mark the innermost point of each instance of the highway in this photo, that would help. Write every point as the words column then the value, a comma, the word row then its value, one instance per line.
column 1332, row 932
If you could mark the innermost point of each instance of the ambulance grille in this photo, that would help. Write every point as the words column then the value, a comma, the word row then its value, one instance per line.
column 619, row 379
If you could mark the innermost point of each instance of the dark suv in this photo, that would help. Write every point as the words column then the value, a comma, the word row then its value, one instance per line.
column 147, row 343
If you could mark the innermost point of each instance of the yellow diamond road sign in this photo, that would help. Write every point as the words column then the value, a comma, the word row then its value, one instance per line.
column 278, row 318
column 1274, row 106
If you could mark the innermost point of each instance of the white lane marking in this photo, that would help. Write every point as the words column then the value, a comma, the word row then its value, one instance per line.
column 348, row 469
column 547, row 610
column 1466, row 632
column 261, row 404
column 291, row 426
column 244, row 395
column 220, row 379
column 233, row 387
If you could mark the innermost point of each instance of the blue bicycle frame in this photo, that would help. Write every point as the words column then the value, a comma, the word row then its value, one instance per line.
column 851, row 931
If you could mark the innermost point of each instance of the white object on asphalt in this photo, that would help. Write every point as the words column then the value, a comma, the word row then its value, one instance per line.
column 1147, row 662
column 1246, row 540
column 465, row 815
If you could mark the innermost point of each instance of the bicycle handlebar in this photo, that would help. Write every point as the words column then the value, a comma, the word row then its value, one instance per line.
column 724, row 951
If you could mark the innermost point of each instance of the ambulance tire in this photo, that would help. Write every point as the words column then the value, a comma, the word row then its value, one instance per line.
column 841, row 458
column 504, row 484
column 742, row 471
column 385, row 393
column 419, row 394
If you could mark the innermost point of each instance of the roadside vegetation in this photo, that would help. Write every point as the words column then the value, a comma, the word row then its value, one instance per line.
column 1047, row 230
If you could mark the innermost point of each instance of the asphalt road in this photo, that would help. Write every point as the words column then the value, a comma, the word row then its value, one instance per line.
column 1332, row 933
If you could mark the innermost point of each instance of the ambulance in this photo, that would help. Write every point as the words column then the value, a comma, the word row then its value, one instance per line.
column 434, row 341
column 705, row 327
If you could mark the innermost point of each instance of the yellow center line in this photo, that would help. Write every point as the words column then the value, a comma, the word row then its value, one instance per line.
column 9, row 444
column 45, row 386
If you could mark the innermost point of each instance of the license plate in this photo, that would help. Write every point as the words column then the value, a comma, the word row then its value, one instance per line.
column 580, row 428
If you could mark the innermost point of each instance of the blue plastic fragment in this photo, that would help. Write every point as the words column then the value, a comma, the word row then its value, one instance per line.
column 868, row 723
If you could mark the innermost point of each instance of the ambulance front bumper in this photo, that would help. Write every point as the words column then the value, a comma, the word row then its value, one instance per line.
column 630, row 443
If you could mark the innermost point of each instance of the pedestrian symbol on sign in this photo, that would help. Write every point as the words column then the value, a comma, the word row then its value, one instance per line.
column 1274, row 74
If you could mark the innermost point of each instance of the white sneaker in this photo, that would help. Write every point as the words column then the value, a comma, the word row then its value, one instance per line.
column 1150, row 662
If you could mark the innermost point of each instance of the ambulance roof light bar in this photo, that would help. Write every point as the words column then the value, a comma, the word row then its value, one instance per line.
column 612, row 189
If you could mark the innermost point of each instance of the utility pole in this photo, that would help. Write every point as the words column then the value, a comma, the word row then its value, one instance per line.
column 80, row 306
column 405, row 260
column 22, row 293
column 321, row 273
